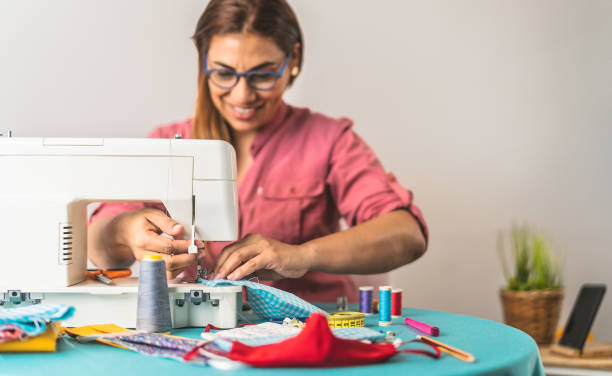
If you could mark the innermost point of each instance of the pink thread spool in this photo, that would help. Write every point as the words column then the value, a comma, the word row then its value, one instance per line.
column 396, row 303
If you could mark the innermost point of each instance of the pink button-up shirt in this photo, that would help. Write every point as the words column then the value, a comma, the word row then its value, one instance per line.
column 308, row 171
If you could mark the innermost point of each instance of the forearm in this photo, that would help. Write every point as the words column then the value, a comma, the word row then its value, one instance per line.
column 377, row 246
column 100, row 252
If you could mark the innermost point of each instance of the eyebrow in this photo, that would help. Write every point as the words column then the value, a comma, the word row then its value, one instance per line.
column 257, row 67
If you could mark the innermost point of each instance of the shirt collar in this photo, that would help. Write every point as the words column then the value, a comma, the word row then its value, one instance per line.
column 269, row 129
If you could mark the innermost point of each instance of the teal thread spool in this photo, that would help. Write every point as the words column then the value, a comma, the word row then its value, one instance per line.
column 153, row 310
column 384, row 306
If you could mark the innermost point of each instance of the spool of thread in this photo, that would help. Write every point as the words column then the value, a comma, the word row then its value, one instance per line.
column 365, row 300
column 384, row 306
column 153, row 310
column 396, row 303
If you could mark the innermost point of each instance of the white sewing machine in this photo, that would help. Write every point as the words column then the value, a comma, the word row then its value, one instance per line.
column 46, row 185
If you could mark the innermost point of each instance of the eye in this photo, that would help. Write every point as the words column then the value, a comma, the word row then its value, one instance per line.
column 262, row 77
column 223, row 75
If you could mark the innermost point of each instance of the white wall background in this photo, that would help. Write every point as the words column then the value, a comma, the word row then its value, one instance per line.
column 493, row 112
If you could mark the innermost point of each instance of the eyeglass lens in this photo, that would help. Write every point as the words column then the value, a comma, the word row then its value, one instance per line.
column 257, row 80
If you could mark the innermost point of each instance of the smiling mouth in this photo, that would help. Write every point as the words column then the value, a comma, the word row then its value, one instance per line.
column 242, row 110
column 243, row 113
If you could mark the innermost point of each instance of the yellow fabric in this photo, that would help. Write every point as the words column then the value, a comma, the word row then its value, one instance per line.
column 90, row 330
column 43, row 343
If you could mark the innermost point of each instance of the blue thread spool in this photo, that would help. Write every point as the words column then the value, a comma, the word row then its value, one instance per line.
column 365, row 299
column 384, row 306
column 153, row 310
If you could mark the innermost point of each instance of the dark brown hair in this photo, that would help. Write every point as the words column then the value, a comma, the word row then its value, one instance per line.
column 268, row 18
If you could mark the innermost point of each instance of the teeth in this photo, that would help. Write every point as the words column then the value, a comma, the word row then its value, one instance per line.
column 243, row 110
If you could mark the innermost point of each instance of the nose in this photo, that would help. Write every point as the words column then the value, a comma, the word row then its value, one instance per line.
column 242, row 92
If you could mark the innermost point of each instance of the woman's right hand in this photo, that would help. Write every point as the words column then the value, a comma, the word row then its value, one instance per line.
column 139, row 232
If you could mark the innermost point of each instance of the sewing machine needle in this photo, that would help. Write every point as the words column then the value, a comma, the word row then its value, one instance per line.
column 192, row 248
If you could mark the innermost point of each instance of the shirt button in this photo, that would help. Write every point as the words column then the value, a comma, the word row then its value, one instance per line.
column 260, row 190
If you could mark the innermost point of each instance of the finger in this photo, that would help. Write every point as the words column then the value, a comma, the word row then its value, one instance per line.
column 165, row 223
column 236, row 259
column 251, row 266
column 227, row 251
column 161, row 244
column 177, row 263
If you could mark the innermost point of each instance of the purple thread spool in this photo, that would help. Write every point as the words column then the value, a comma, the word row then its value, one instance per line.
column 365, row 300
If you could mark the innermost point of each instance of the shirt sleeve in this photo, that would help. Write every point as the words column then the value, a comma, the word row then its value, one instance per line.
column 361, row 187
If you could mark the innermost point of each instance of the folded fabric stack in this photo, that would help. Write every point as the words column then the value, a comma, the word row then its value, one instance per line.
column 32, row 328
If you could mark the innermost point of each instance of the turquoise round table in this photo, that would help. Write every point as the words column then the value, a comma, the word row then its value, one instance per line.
column 499, row 350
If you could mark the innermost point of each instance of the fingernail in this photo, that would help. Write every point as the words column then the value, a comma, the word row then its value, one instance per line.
column 231, row 277
column 176, row 228
column 218, row 276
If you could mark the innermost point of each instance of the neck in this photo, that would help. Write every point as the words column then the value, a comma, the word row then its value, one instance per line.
column 243, row 141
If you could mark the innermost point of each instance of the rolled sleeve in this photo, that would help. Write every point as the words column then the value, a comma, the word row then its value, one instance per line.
column 361, row 187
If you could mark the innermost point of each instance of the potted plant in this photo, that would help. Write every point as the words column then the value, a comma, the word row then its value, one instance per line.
column 532, row 297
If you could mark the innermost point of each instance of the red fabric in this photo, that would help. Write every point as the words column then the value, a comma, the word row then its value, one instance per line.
column 315, row 346
column 210, row 327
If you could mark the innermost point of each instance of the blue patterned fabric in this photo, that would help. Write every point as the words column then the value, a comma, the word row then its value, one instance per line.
column 269, row 302
column 32, row 319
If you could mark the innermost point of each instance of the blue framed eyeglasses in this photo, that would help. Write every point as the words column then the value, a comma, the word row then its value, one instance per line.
column 226, row 78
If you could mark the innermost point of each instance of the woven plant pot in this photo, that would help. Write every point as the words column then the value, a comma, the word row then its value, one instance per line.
column 534, row 312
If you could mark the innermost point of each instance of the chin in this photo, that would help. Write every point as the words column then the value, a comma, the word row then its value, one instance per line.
column 245, row 126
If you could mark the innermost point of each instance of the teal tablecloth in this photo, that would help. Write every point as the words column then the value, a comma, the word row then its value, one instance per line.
column 499, row 350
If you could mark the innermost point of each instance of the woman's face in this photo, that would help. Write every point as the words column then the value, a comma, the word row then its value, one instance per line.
column 243, row 107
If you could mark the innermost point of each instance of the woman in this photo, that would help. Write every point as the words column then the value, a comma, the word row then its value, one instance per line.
column 299, row 172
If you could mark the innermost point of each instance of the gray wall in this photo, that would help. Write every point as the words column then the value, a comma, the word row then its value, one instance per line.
column 493, row 112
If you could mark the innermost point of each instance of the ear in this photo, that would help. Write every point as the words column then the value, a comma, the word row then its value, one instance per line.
column 297, row 54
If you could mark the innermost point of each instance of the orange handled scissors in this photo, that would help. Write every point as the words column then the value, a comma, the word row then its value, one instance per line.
column 106, row 276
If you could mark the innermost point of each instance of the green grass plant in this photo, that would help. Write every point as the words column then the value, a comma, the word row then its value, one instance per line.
column 530, row 264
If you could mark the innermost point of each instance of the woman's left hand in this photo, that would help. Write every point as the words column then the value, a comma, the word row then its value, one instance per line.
column 267, row 258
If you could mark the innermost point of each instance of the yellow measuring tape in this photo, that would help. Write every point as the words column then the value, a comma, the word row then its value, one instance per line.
column 346, row 319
